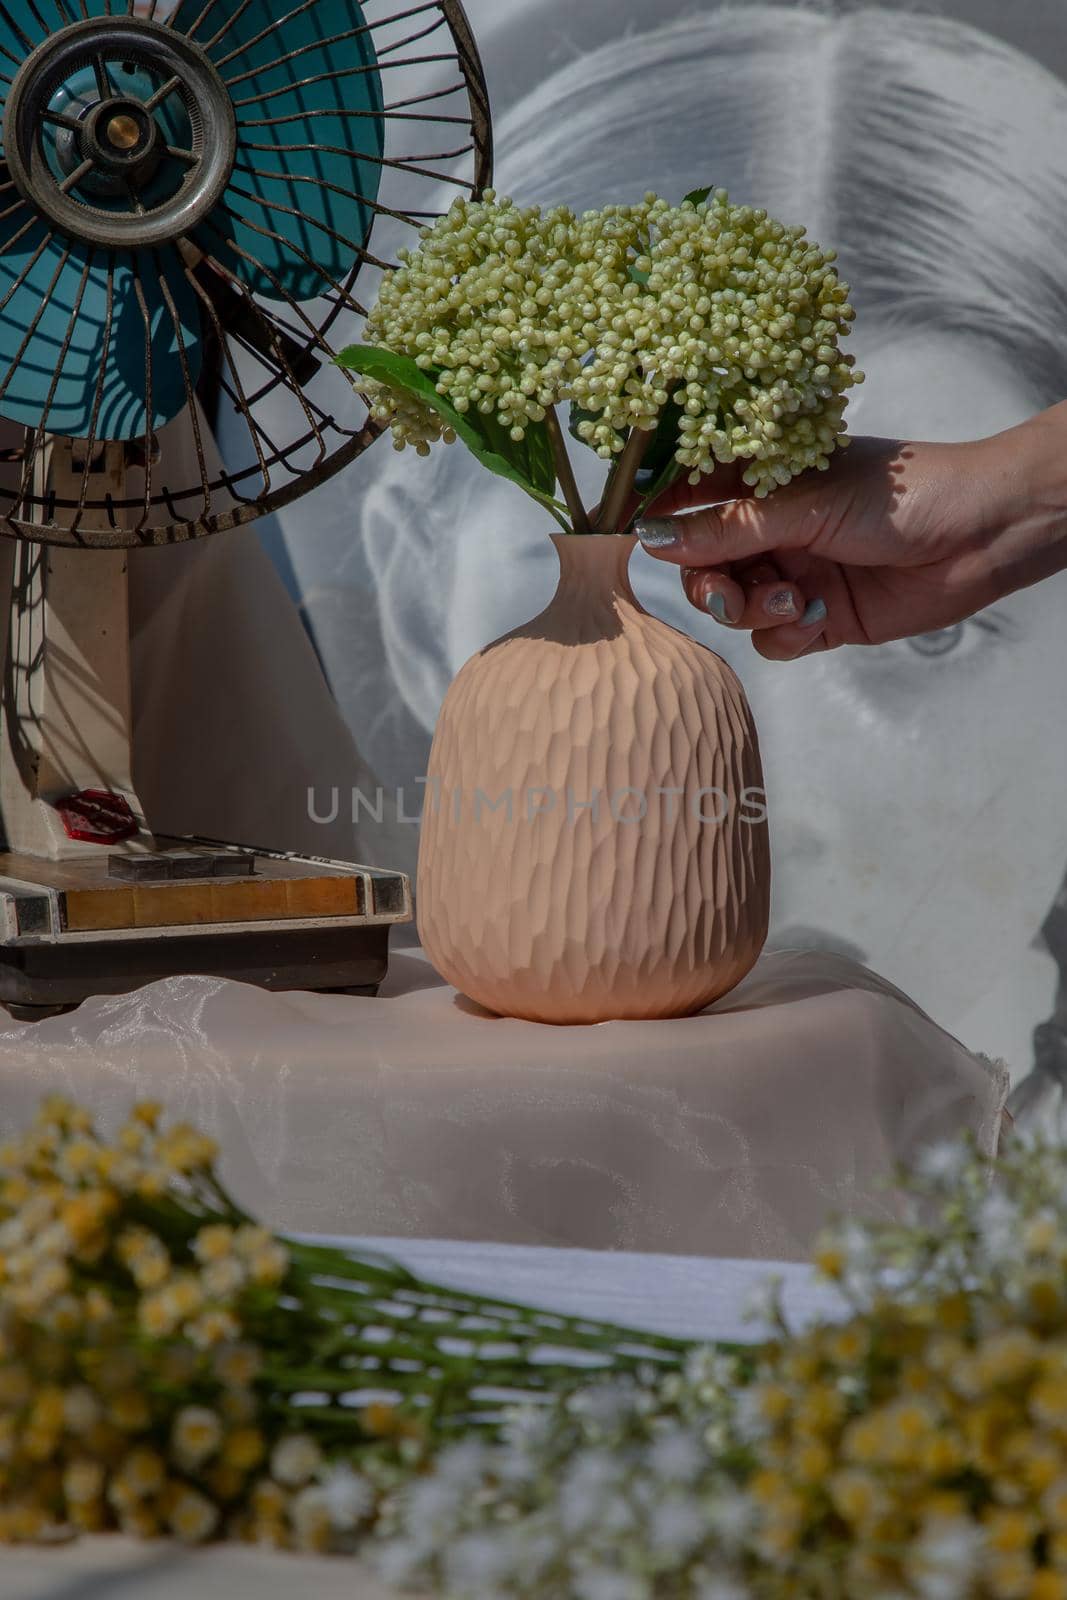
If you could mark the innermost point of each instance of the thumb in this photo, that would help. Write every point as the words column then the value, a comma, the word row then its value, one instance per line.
column 734, row 530
column 726, row 482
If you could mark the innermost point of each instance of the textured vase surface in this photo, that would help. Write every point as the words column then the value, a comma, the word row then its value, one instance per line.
column 594, row 843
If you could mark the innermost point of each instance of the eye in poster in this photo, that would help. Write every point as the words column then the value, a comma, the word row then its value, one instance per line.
column 917, row 790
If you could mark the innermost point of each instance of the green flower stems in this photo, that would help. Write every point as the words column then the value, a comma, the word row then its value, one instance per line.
column 622, row 480
column 565, row 473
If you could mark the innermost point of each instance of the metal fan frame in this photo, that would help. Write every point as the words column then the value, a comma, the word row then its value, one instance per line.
column 285, row 344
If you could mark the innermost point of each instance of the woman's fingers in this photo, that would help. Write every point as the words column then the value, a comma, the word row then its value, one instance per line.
column 773, row 605
column 725, row 483
column 715, row 592
column 738, row 526
column 795, row 639
column 731, row 564
column 761, row 570
column 737, row 530
column 755, row 597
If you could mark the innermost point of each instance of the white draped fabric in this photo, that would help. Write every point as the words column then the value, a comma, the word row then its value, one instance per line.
column 114, row 1568
column 733, row 1133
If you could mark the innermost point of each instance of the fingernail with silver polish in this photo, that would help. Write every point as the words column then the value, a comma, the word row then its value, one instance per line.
column 716, row 604
column 657, row 533
column 782, row 603
column 814, row 612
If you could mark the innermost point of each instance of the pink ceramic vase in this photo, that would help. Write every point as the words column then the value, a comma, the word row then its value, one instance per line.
column 594, row 843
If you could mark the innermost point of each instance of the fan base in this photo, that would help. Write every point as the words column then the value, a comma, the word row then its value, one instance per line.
column 74, row 929
column 49, row 980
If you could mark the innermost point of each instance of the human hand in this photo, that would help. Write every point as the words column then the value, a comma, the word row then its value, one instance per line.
column 895, row 538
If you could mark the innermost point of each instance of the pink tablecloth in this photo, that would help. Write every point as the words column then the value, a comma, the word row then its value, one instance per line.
column 416, row 1114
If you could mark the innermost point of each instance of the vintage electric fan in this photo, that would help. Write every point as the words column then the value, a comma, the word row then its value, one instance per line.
column 190, row 196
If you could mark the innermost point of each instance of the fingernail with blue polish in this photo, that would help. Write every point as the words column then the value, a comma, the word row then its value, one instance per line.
column 716, row 604
column 658, row 533
column 814, row 612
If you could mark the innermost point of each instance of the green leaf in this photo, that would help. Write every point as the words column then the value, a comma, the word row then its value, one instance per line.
column 697, row 197
column 531, row 456
column 527, row 463
column 638, row 277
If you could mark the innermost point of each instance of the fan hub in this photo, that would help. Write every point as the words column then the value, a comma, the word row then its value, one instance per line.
column 110, row 174
column 124, row 133
column 122, row 140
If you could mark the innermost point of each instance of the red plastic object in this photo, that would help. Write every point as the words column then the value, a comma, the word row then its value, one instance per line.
column 96, row 816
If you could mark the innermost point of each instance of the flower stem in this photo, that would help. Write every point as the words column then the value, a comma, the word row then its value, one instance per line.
column 565, row 473
column 622, row 480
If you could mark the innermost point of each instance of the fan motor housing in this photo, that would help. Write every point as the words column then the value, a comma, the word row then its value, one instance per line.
column 118, row 145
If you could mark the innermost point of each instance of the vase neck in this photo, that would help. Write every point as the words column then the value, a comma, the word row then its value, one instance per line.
column 594, row 569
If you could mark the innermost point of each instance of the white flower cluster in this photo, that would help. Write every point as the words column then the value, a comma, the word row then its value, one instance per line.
column 606, row 1497
column 715, row 309
column 915, row 1449
column 1002, row 1232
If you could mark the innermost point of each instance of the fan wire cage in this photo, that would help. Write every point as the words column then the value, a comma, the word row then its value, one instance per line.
column 198, row 200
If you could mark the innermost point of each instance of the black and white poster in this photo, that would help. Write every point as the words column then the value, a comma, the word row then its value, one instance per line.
column 917, row 790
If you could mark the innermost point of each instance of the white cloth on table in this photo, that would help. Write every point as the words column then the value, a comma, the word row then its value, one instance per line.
column 108, row 1567
column 685, row 1297
column 733, row 1133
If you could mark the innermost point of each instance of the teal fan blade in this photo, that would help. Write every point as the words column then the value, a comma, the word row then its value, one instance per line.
column 307, row 91
column 25, row 24
column 189, row 191
column 74, row 369
column 243, row 137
